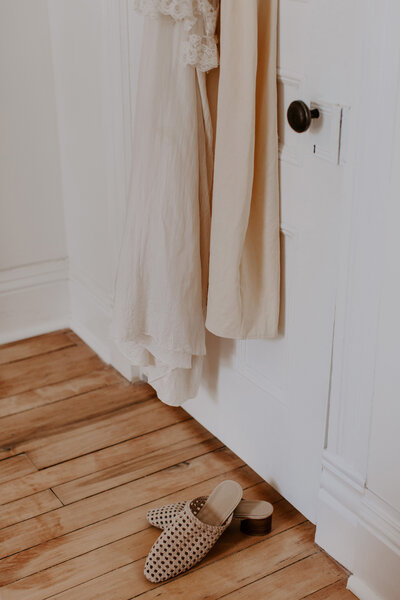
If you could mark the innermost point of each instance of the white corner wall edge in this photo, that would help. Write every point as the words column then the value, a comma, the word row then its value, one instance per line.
column 360, row 589
column 34, row 300
column 360, row 531
column 91, row 313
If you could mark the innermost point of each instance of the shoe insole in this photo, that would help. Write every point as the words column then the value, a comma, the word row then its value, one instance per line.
column 253, row 509
column 221, row 503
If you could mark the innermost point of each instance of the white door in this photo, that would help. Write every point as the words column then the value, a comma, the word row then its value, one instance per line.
column 267, row 400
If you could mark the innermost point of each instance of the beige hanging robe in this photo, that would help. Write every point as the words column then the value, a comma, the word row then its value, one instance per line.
column 244, row 280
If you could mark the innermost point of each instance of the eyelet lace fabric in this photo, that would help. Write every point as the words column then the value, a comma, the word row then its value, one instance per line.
column 199, row 18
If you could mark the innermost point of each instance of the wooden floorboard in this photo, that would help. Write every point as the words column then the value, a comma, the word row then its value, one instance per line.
column 26, row 508
column 42, row 344
column 16, row 467
column 47, row 394
column 100, row 432
column 138, row 449
column 336, row 591
column 44, row 369
column 45, row 420
column 84, row 455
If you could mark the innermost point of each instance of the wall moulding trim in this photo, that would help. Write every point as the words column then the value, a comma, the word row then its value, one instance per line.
column 341, row 486
column 359, row 529
column 32, row 275
column 336, row 465
column 34, row 300
column 382, row 519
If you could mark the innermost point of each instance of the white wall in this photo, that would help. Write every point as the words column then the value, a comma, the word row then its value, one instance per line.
column 377, row 551
column 87, row 63
column 33, row 267
column 384, row 450
column 359, row 500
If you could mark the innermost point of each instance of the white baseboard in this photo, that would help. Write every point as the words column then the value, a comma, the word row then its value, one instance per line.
column 339, row 501
column 360, row 531
column 360, row 589
column 46, row 296
column 34, row 300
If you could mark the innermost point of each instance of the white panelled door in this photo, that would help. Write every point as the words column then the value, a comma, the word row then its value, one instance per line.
column 267, row 400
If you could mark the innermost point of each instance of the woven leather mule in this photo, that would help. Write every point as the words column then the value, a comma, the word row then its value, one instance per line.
column 192, row 533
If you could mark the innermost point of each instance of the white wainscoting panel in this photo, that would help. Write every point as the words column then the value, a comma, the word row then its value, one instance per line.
column 34, row 299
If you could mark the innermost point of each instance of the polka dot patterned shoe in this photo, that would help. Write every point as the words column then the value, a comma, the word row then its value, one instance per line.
column 255, row 515
column 164, row 516
column 192, row 533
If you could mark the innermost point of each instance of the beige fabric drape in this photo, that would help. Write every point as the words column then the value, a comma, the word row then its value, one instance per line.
column 244, row 279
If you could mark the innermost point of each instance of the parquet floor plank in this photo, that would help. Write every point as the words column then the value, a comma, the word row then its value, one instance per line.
column 34, row 346
column 134, row 469
column 45, row 420
column 27, row 508
column 41, row 396
column 84, row 455
column 303, row 577
column 45, row 369
column 105, row 431
column 136, row 450
column 336, row 591
column 14, row 468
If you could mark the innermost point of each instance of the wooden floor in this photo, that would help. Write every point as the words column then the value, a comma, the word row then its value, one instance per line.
column 84, row 455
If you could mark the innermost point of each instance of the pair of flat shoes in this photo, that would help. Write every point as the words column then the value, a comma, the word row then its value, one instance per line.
column 191, row 528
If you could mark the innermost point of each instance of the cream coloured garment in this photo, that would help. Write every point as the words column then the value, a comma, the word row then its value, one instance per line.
column 161, row 285
column 244, row 282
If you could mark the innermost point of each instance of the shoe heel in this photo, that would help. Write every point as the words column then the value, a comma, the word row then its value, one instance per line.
column 256, row 526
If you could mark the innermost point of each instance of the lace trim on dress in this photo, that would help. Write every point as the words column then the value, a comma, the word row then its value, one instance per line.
column 199, row 18
column 201, row 52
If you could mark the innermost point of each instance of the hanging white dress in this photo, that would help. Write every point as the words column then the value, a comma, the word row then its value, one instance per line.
column 161, row 285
